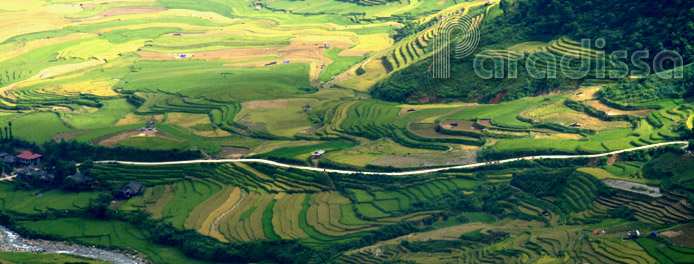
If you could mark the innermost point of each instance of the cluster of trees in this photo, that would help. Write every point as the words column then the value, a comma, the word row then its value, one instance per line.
column 634, row 91
column 79, row 152
column 624, row 24
column 542, row 182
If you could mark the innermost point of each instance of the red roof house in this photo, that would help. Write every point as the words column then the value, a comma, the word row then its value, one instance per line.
column 29, row 158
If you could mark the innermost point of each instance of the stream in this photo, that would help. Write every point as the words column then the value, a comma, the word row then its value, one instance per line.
column 10, row 241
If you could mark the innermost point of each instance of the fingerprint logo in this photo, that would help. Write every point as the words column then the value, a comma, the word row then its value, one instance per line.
column 464, row 31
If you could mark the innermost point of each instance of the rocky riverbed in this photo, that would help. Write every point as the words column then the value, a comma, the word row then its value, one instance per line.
column 12, row 242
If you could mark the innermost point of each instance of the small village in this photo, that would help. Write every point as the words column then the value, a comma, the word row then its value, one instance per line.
column 27, row 167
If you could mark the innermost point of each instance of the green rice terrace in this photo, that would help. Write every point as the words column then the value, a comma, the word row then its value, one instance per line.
column 337, row 97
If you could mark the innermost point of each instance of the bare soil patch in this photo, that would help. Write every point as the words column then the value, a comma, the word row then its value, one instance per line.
column 226, row 55
column 429, row 130
column 67, row 136
column 585, row 93
column 447, row 158
column 231, row 152
column 681, row 236
column 266, row 104
column 112, row 140
column 461, row 125
column 612, row 111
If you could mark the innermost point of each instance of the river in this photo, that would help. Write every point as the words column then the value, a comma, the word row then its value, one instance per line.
column 12, row 242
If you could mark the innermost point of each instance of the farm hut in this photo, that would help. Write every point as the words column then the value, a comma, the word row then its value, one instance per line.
column 79, row 177
column 575, row 125
column 318, row 153
column 132, row 189
column 634, row 234
column 411, row 110
column 182, row 55
column 286, row 61
column 29, row 159
column 307, row 108
column 326, row 44
column 150, row 124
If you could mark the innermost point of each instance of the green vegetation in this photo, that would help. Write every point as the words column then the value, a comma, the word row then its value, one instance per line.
column 280, row 79
column 110, row 234
column 30, row 258
column 218, row 83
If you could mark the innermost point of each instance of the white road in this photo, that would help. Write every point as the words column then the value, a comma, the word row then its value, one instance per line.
column 394, row 173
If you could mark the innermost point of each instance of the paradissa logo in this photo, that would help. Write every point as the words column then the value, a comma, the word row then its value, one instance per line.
column 579, row 64
column 467, row 38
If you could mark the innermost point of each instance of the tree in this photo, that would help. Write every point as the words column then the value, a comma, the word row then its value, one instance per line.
column 691, row 145
column 10, row 125
column 6, row 134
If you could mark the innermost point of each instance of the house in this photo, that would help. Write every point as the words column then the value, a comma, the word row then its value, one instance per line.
column 132, row 189
column 29, row 159
column 633, row 234
column 79, row 178
column 32, row 172
column 318, row 153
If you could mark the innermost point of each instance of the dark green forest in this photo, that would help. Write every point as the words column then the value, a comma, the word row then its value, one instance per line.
column 624, row 25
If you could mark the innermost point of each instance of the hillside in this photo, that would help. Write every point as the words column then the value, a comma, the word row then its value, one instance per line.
column 521, row 23
column 313, row 131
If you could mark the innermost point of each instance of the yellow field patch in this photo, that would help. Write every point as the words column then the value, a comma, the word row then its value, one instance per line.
column 98, row 88
column 186, row 119
column 583, row 120
column 63, row 8
column 100, row 48
column 48, row 72
column 372, row 42
column 214, row 17
column 374, row 72
column 14, row 5
column 131, row 118
column 19, row 23
column 558, row 136
column 15, row 49
column 364, row 154
column 585, row 93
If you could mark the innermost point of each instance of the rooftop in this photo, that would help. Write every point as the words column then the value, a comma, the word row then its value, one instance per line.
column 28, row 155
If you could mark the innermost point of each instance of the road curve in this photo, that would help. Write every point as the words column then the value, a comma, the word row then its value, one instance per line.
column 404, row 173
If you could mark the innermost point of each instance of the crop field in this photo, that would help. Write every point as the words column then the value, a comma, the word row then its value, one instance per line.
column 108, row 234
column 26, row 258
column 28, row 202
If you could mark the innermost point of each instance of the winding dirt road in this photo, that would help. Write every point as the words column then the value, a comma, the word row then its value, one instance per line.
column 473, row 165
